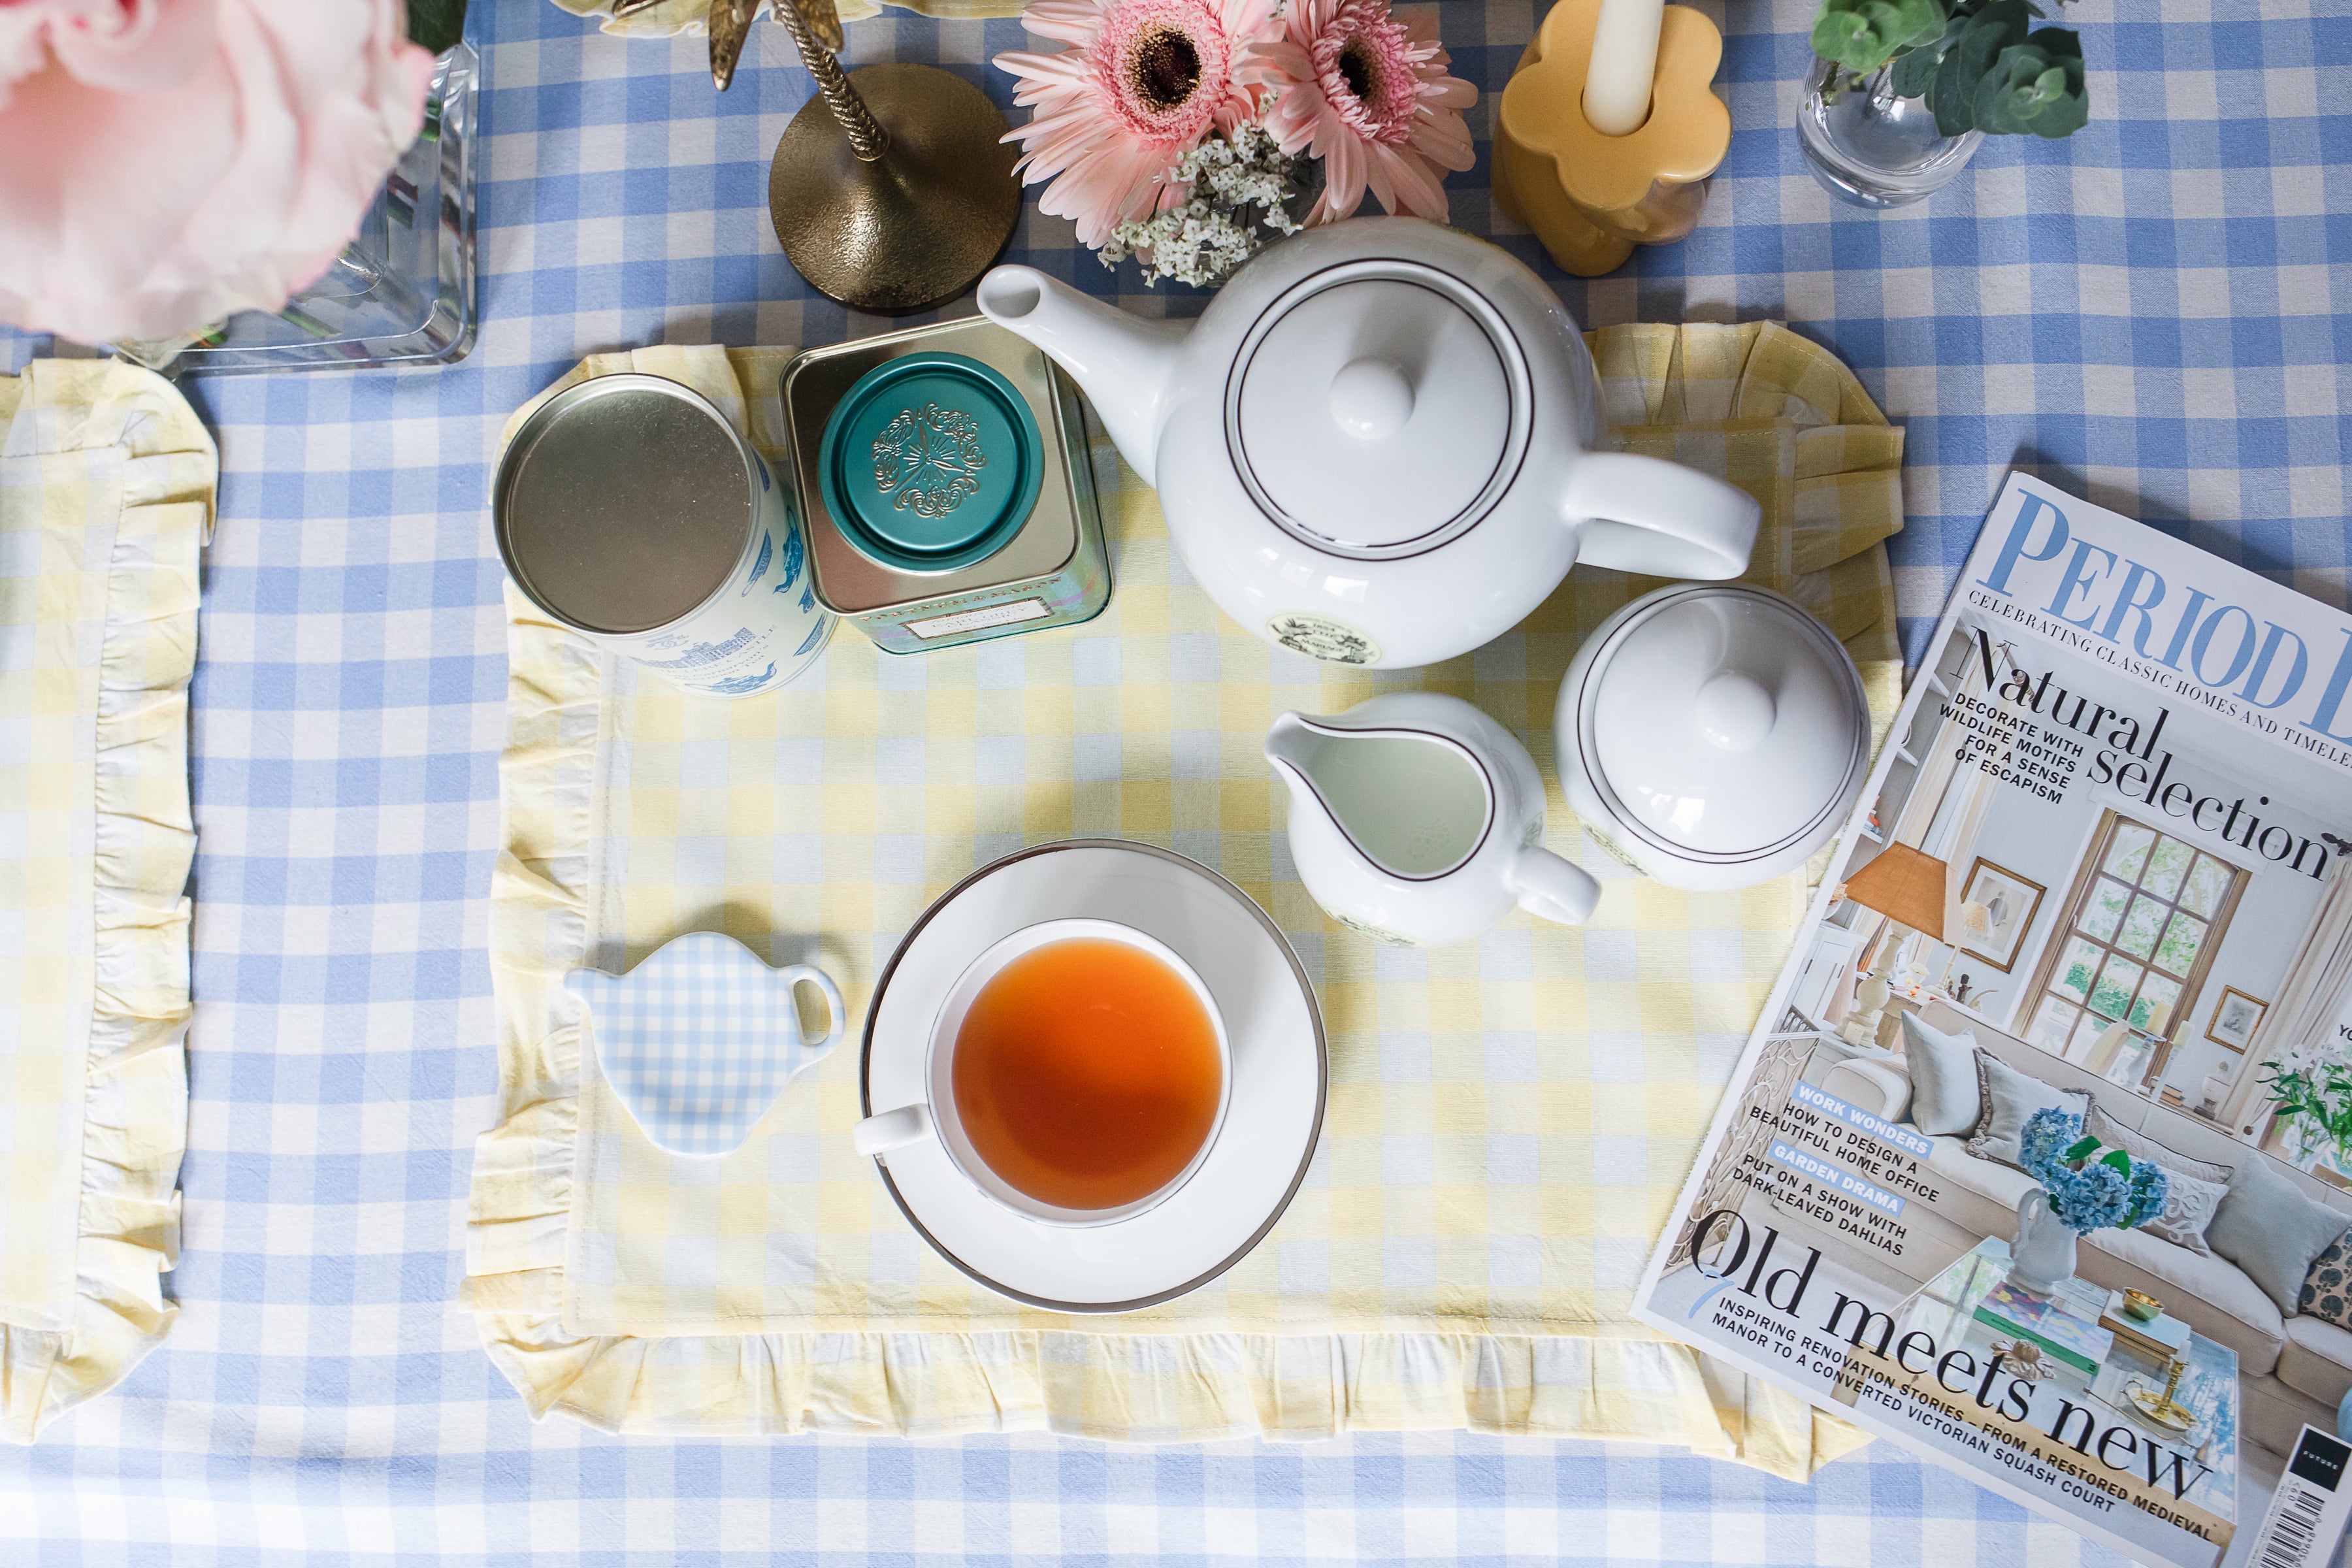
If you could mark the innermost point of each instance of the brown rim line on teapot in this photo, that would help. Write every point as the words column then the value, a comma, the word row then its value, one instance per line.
column 1377, row 444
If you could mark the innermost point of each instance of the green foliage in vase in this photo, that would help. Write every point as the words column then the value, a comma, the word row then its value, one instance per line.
column 2315, row 1097
column 436, row 25
column 2035, row 86
column 1864, row 34
column 1979, row 65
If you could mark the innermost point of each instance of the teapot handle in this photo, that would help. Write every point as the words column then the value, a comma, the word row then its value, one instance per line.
column 1657, row 518
column 1553, row 888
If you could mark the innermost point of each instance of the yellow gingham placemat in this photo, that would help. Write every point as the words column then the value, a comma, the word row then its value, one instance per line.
column 106, row 491
column 1508, row 1120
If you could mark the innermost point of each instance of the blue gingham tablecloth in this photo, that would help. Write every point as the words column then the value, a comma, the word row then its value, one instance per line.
column 2152, row 313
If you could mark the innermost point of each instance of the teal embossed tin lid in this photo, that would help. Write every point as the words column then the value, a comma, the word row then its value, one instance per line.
column 931, row 462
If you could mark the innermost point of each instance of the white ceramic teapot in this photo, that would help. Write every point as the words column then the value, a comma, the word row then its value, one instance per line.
column 1712, row 735
column 1377, row 446
column 1416, row 819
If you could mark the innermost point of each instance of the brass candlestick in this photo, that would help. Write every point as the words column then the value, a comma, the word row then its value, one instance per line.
column 1592, row 198
column 2162, row 1408
column 892, row 190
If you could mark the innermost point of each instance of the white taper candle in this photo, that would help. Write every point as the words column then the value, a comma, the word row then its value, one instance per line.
column 1624, row 62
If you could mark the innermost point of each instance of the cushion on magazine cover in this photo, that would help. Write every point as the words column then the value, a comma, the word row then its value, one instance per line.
column 2316, row 1360
column 2010, row 1099
column 2209, row 1294
column 2196, row 1188
column 2140, row 1146
column 2328, row 1287
column 1944, row 1098
column 2266, row 1226
column 2190, row 1205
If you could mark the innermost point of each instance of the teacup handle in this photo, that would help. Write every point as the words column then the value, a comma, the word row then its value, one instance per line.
column 793, row 975
column 894, row 1129
column 1552, row 887
column 1658, row 519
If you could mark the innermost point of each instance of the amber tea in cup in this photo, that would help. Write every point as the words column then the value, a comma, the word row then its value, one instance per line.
column 1088, row 1074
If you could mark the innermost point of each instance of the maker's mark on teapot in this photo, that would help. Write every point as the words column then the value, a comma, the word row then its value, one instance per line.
column 1320, row 637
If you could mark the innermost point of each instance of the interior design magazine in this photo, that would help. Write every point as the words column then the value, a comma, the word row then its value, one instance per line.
column 2100, row 867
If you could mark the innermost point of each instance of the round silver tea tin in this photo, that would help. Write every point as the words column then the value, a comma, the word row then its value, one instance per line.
column 628, row 509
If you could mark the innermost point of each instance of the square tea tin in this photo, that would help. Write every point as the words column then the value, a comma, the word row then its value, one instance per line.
column 944, row 476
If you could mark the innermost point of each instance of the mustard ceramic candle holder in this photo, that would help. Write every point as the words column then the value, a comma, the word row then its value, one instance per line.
column 1592, row 198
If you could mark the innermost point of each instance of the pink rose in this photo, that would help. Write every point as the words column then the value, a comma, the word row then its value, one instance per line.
column 171, row 162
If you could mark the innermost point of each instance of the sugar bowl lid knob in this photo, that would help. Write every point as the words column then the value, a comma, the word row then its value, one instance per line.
column 1734, row 710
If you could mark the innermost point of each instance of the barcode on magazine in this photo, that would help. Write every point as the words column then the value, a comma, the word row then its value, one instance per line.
column 2308, row 1510
column 2295, row 1521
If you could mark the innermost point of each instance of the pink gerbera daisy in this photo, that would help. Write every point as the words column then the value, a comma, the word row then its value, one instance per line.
column 1370, row 95
column 1138, row 86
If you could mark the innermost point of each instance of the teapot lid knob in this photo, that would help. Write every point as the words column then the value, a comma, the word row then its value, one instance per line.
column 1734, row 711
column 1370, row 399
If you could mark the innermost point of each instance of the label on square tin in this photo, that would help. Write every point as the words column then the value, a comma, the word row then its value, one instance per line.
column 977, row 620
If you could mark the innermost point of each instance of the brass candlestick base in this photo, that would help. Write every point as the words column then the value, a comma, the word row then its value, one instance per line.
column 1592, row 198
column 912, row 225
column 2163, row 1409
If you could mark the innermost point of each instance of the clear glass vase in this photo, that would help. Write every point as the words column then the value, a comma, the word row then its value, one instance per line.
column 401, row 293
column 1867, row 146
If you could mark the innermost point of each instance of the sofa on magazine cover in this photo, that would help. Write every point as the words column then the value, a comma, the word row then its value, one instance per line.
column 2294, row 1366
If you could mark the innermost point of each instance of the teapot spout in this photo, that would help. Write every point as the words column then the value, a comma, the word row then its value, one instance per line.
column 1124, row 364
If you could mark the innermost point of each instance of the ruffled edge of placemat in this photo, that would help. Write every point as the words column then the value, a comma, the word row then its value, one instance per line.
column 135, row 1114
column 1163, row 1387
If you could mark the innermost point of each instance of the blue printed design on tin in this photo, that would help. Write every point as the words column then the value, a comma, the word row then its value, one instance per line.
column 808, row 598
column 701, row 655
column 816, row 635
column 739, row 685
column 759, row 567
column 793, row 552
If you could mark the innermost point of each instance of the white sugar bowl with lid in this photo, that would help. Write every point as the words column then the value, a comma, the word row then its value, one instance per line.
column 1377, row 444
column 1712, row 735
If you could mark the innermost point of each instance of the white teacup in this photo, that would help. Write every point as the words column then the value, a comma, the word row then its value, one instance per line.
column 936, row 1117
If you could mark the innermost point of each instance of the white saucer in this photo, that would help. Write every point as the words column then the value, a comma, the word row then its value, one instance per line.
column 1279, row 1077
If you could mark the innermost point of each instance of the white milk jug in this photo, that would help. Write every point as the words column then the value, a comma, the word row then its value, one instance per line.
column 1418, row 820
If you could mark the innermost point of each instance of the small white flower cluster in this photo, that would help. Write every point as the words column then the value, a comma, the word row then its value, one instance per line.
column 1202, row 239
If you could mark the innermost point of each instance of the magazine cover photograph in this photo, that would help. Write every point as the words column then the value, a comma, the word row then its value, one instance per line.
column 2042, row 1158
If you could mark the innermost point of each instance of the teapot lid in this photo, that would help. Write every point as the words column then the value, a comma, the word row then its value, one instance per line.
column 1724, row 723
column 1378, row 409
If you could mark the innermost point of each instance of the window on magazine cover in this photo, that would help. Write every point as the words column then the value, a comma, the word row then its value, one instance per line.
column 2147, row 913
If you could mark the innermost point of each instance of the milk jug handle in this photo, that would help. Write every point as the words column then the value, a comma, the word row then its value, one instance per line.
column 1657, row 518
column 1552, row 887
